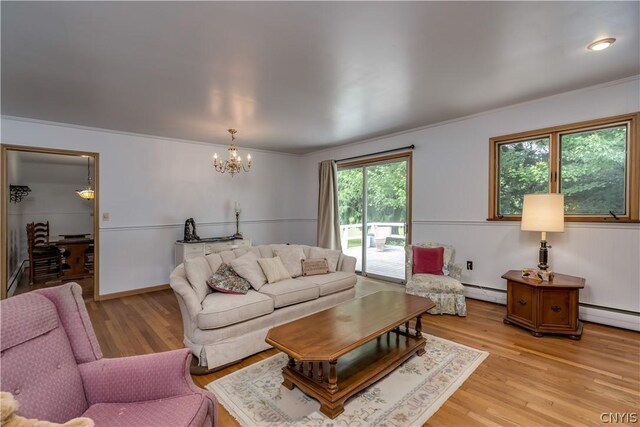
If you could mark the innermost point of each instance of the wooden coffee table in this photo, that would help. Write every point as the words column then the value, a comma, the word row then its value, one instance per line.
column 365, row 334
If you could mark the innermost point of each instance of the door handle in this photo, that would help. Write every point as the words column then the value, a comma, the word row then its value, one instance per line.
column 522, row 302
column 556, row 308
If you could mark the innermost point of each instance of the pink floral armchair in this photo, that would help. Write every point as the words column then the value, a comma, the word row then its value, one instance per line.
column 52, row 363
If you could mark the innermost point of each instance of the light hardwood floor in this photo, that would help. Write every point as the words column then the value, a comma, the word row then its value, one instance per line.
column 525, row 380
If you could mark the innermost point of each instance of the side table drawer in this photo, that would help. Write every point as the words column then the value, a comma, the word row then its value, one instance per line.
column 520, row 302
column 555, row 309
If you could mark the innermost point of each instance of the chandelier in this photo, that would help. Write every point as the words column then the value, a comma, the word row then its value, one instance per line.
column 234, row 165
column 87, row 193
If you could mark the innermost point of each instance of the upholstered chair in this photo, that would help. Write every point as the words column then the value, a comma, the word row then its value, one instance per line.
column 445, row 291
column 52, row 363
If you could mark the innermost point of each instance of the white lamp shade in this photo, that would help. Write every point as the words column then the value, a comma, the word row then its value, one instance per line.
column 543, row 212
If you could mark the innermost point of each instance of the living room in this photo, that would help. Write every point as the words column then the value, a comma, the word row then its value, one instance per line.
column 152, row 177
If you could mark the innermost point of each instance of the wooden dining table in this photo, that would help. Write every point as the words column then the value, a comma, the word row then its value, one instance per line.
column 74, row 248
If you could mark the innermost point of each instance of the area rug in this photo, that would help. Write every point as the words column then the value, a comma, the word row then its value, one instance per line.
column 408, row 396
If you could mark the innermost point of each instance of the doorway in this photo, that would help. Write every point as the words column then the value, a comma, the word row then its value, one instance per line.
column 374, row 205
column 51, row 193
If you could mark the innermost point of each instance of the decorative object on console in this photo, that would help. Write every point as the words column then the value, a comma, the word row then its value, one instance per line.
column 544, row 213
column 87, row 193
column 190, row 231
column 234, row 165
column 314, row 266
column 237, row 209
column 18, row 192
column 533, row 273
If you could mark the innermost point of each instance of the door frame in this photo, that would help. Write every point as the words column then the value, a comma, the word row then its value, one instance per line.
column 372, row 161
column 4, row 200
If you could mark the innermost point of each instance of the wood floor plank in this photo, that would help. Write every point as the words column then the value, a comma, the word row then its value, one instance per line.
column 525, row 380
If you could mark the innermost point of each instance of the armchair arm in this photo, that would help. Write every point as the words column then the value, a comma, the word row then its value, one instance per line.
column 455, row 271
column 348, row 264
column 138, row 378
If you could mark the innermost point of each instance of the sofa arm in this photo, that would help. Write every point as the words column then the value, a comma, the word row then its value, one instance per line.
column 183, row 290
column 138, row 378
column 348, row 264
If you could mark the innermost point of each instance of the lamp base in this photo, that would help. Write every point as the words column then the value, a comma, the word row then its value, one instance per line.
column 543, row 255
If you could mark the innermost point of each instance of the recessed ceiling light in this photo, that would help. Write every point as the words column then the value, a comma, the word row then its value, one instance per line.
column 601, row 44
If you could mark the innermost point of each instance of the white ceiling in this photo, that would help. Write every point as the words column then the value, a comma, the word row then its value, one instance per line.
column 299, row 76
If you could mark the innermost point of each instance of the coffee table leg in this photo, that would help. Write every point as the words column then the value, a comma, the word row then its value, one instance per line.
column 291, row 365
column 421, row 350
column 333, row 377
column 288, row 384
column 332, row 411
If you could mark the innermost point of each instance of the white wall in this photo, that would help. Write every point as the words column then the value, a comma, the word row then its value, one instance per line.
column 150, row 186
column 450, row 198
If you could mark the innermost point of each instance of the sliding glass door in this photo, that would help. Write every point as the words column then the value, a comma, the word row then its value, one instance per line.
column 374, row 198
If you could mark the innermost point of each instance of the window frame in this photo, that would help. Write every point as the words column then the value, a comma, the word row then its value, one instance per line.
column 632, row 187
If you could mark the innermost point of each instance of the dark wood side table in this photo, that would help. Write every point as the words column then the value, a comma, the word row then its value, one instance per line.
column 544, row 307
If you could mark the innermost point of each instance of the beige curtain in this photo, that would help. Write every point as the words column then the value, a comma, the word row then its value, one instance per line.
column 328, row 221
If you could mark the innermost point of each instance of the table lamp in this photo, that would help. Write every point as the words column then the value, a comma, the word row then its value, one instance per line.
column 545, row 213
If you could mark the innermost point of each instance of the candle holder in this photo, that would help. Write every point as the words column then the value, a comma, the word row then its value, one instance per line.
column 238, row 234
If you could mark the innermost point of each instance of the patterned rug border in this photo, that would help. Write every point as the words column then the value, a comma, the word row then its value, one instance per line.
column 236, row 412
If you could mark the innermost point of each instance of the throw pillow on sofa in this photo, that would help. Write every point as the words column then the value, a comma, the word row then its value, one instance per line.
column 247, row 266
column 332, row 256
column 314, row 266
column 274, row 269
column 226, row 280
column 428, row 260
column 291, row 257
column 198, row 272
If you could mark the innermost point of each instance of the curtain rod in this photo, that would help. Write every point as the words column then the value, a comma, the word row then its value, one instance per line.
column 408, row 147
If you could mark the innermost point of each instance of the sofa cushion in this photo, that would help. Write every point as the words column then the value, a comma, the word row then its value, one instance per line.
column 182, row 410
column 198, row 272
column 290, row 291
column 247, row 266
column 274, row 269
column 226, row 280
column 332, row 282
column 219, row 310
column 291, row 257
column 332, row 256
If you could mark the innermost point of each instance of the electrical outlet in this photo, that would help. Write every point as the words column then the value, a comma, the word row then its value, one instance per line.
column 469, row 265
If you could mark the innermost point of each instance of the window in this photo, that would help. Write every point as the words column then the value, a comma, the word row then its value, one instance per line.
column 596, row 165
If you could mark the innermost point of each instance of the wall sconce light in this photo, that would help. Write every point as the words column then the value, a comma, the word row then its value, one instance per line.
column 18, row 192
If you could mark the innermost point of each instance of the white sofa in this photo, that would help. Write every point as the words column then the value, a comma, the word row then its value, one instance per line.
column 222, row 328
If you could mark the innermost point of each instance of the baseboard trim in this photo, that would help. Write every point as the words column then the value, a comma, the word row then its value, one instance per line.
column 133, row 292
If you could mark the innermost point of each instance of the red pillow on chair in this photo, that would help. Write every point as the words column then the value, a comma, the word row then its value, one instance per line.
column 428, row 260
